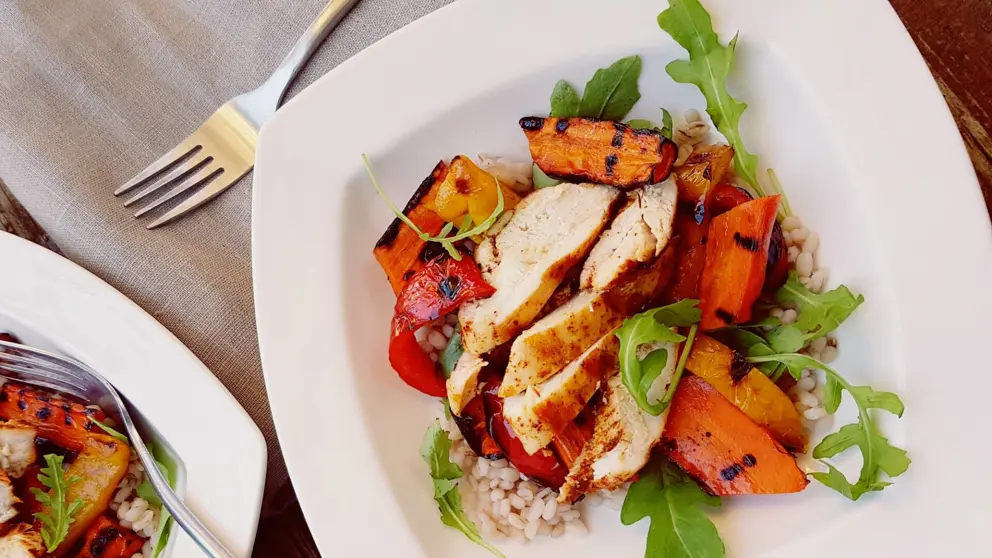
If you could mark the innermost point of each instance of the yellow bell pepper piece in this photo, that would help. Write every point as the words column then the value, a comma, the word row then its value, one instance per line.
column 469, row 189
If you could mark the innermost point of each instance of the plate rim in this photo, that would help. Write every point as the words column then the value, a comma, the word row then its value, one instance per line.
column 907, row 63
column 60, row 301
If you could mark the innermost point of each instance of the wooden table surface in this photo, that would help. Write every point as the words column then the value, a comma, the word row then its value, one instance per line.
column 955, row 37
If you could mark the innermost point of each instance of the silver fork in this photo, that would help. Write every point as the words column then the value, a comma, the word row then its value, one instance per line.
column 69, row 376
column 222, row 150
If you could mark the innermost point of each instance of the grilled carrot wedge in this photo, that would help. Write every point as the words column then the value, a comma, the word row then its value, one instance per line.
column 400, row 251
column 736, row 257
column 599, row 151
column 718, row 445
column 66, row 423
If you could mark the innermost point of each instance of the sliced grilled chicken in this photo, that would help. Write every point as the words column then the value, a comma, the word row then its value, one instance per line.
column 638, row 235
column 541, row 412
column 464, row 381
column 21, row 542
column 17, row 449
column 550, row 231
column 564, row 334
column 622, row 439
column 7, row 499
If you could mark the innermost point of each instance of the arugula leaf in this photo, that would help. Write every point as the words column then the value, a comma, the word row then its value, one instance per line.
column 667, row 127
column 113, row 433
column 542, row 180
column 642, row 124
column 786, row 339
column 652, row 327
column 879, row 456
column 145, row 490
column 434, row 450
column 756, row 346
column 169, row 468
column 612, row 91
column 443, row 238
column 679, row 528
column 645, row 124
column 451, row 353
column 818, row 314
column 57, row 514
column 708, row 67
column 564, row 100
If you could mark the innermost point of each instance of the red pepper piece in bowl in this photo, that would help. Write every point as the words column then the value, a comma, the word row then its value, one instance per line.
column 438, row 289
column 542, row 467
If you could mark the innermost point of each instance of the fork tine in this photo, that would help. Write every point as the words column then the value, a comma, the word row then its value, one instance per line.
column 178, row 174
column 204, row 195
column 32, row 374
column 38, row 360
column 176, row 155
column 202, row 176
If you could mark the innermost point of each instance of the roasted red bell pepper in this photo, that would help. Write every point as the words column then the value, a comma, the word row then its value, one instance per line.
column 474, row 426
column 543, row 466
column 736, row 259
column 106, row 538
column 725, row 197
column 438, row 289
column 569, row 442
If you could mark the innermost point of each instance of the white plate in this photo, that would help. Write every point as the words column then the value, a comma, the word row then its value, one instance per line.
column 47, row 300
column 841, row 105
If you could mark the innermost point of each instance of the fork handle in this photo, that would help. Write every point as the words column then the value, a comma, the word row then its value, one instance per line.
column 333, row 13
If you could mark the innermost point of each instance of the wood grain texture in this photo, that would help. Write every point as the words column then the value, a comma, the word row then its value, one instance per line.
column 955, row 37
column 15, row 220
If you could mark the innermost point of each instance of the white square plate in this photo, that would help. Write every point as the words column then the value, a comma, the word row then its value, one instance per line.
column 49, row 302
column 841, row 105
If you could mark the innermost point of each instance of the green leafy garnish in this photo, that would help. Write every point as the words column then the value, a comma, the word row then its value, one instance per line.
column 146, row 491
column 818, row 314
column 609, row 94
column 679, row 528
column 667, row 127
column 434, row 450
column 446, row 241
column 708, row 67
column 648, row 328
column 645, row 124
column 451, row 353
column 57, row 514
column 542, row 180
column 113, row 433
column 564, row 100
column 612, row 91
column 879, row 456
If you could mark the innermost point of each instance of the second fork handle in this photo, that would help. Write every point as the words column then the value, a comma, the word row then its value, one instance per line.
column 304, row 48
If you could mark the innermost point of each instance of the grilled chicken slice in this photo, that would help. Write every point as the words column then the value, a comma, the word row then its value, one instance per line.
column 21, row 542
column 464, row 381
column 622, row 440
column 550, row 231
column 638, row 235
column 544, row 410
column 564, row 334
column 7, row 499
column 17, row 449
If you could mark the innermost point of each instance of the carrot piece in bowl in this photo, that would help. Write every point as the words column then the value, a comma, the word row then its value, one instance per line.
column 718, row 445
column 736, row 259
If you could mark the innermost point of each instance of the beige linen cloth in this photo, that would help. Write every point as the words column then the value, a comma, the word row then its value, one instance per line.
column 92, row 91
